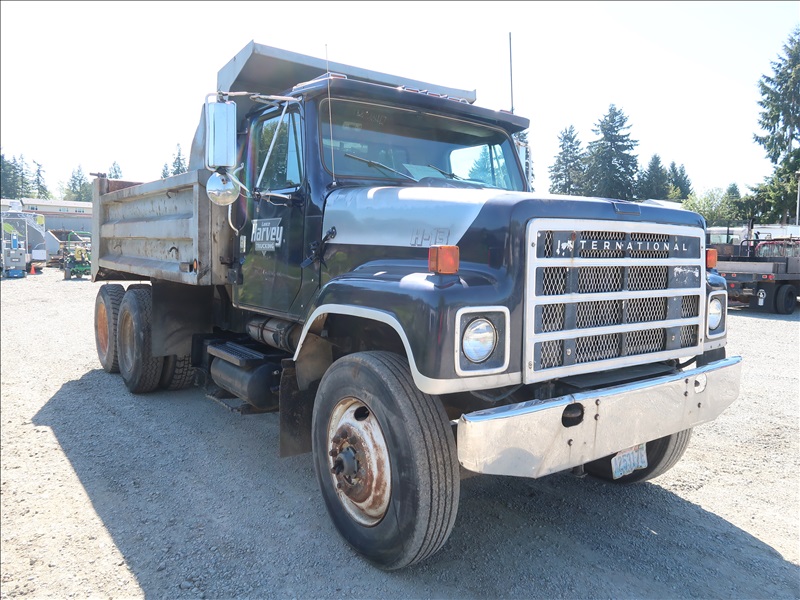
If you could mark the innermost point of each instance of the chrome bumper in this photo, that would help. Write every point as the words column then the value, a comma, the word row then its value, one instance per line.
column 529, row 439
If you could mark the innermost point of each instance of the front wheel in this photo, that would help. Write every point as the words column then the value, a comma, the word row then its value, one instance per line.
column 385, row 460
column 662, row 454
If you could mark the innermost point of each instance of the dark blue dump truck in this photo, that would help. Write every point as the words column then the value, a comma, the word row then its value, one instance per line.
column 363, row 254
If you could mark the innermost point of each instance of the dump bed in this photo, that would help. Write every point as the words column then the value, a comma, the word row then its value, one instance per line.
column 165, row 229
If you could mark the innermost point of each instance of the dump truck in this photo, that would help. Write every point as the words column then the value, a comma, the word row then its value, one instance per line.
column 362, row 253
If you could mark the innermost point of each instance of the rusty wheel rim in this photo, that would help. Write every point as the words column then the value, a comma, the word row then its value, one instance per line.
column 102, row 329
column 358, row 460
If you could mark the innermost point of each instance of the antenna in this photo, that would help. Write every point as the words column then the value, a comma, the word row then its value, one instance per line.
column 511, row 69
column 330, row 116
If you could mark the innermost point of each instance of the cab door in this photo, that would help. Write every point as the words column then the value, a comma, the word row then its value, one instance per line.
column 271, row 242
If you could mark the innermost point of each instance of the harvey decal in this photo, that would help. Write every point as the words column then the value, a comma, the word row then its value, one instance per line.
column 267, row 235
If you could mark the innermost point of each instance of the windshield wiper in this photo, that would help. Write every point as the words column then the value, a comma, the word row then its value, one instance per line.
column 378, row 165
column 446, row 174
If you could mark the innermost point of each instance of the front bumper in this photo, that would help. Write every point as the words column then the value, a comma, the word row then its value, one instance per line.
column 533, row 438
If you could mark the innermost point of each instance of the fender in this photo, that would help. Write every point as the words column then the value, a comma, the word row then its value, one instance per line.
column 407, row 299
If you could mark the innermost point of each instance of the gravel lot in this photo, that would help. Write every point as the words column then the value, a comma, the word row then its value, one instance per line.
column 169, row 495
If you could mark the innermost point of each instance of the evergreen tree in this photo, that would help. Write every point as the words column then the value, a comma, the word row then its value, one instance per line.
column 780, row 120
column 732, row 192
column 780, row 101
column 8, row 177
column 653, row 183
column 165, row 171
column 611, row 164
column 24, row 181
column 568, row 171
column 78, row 187
column 115, row 172
column 39, row 187
column 679, row 183
column 178, row 162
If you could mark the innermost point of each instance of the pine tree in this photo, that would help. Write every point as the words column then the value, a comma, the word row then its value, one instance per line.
column 178, row 162
column 653, row 183
column 679, row 182
column 23, row 178
column 567, row 173
column 780, row 99
column 732, row 192
column 78, row 187
column 165, row 171
column 115, row 172
column 39, row 187
column 611, row 165
column 780, row 120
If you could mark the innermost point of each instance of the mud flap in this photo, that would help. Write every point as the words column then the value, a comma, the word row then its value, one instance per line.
column 296, row 408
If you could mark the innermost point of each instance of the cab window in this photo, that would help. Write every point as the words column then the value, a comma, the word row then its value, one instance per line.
column 285, row 168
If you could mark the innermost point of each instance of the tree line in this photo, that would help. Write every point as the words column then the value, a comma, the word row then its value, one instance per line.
column 608, row 166
column 19, row 180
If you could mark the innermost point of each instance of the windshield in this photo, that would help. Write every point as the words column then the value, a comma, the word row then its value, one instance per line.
column 376, row 141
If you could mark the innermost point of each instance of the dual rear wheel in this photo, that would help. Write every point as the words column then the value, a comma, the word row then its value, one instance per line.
column 123, row 323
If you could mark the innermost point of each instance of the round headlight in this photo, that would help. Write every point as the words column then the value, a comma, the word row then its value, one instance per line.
column 714, row 314
column 479, row 340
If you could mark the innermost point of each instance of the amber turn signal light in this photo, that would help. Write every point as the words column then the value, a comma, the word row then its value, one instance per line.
column 443, row 260
column 711, row 258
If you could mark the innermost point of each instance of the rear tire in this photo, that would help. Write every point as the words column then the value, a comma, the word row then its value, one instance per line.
column 177, row 373
column 140, row 370
column 662, row 454
column 67, row 273
column 385, row 460
column 106, row 313
column 786, row 299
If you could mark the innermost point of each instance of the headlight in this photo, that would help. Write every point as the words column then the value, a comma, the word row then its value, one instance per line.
column 479, row 340
column 714, row 314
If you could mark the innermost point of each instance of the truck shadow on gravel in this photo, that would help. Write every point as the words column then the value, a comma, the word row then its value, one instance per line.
column 199, row 504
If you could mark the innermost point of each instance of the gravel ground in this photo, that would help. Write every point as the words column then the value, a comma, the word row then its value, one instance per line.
column 169, row 495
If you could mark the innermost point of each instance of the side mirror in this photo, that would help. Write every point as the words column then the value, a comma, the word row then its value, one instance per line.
column 220, row 134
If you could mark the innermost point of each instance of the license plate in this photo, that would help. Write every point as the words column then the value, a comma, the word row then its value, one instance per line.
column 627, row 461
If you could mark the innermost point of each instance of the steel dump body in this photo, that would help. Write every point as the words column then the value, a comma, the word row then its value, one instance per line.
column 165, row 229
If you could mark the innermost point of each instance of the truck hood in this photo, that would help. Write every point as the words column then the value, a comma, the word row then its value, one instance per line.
column 425, row 216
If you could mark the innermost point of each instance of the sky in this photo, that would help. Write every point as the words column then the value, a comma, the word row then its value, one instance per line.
column 86, row 84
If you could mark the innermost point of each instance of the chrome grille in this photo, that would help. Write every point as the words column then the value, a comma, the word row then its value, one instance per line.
column 603, row 296
column 598, row 314
column 642, row 310
column 597, row 347
column 690, row 306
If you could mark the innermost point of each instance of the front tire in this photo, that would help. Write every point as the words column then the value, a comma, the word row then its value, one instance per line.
column 140, row 370
column 662, row 454
column 385, row 460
